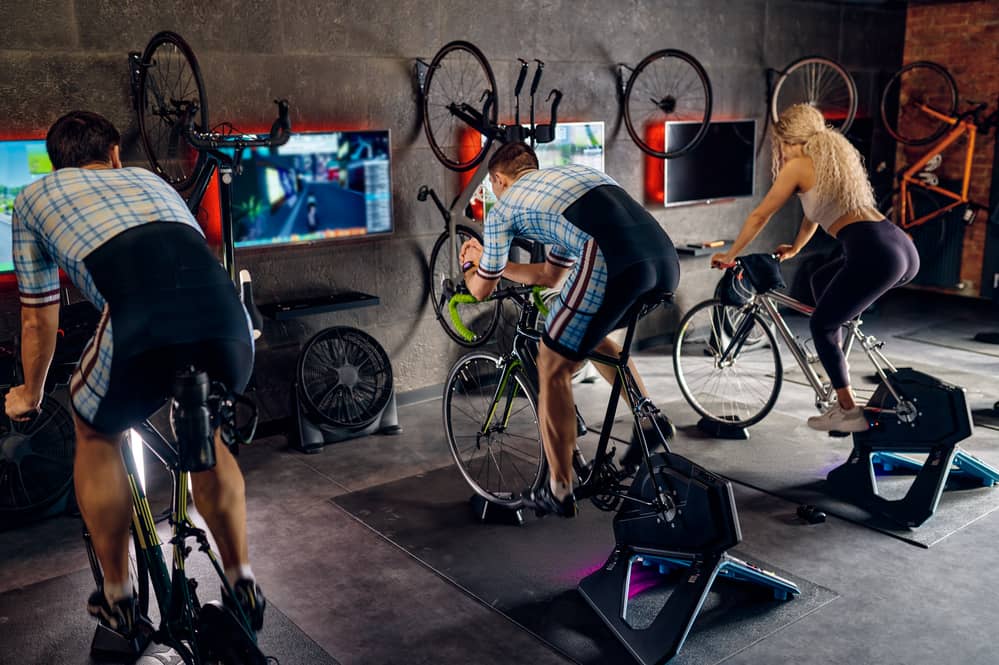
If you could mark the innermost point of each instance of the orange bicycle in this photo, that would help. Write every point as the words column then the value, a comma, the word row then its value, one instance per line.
column 919, row 107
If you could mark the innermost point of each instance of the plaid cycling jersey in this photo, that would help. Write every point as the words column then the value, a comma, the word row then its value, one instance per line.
column 532, row 208
column 66, row 215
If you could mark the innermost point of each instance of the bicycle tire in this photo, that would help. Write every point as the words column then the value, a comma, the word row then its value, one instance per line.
column 138, row 569
column 821, row 83
column 468, row 399
column 486, row 314
column 159, row 107
column 469, row 151
column 344, row 377
column 920, row 82
column 716, row 397
column 667, row 99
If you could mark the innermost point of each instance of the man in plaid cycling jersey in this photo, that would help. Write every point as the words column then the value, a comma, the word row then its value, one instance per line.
column 127, row 240
column 616, row 252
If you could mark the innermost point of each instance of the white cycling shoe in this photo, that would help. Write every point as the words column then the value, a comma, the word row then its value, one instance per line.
column 838, row 419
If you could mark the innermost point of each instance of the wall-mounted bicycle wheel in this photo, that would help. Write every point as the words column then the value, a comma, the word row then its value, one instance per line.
column 502, row 459
column 481, row 318
column 668, row 85
column 911, row 92
column 459, row 75
column 821, row 83
column 344, row 377
column 36, row 463
column 170, row 87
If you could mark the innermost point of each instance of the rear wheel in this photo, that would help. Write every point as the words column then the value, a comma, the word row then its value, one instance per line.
column 911, row 91
column 818, row 82
column 721, row 375
column 491, row 423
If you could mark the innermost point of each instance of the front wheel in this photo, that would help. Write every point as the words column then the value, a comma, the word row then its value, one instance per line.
column 481, row 317
column 667, row 86
column 491, row 422
column 725, row 375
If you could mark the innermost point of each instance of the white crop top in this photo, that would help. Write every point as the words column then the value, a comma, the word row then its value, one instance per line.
column 823, row 213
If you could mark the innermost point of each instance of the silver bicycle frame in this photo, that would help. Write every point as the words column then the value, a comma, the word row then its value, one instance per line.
column 824, row 393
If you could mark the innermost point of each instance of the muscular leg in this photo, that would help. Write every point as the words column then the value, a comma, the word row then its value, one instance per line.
column 556, row 412
column 220, row 495
column 105, row 501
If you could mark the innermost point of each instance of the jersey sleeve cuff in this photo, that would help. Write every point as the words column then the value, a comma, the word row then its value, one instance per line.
column 39, row 299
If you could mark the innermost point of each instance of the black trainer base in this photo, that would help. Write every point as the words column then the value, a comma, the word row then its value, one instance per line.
column 934, row 418
column 701, row 524
column 720, row 430
column 485, row 511
column 112, row 645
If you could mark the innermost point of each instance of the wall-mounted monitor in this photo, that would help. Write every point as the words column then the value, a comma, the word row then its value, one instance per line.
column 318, row 186
column 21, row 163
column 722, row 166
column 575, row 143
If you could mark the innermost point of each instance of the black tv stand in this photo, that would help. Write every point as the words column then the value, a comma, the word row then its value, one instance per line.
column 333, row 302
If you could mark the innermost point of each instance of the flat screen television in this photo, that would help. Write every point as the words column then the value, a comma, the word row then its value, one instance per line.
column 722, row 166
column 318, row 186
column 21, row 163
column 575, row 143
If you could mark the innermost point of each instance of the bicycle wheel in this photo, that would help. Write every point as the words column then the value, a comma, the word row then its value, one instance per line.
column 169, row 85
column 507, row 458
column 459, row 75
column 481, row 318
column 138, row 568
column 740, row 390
column 344, row 377
column 667, row 86
column 910, row 90
column 820, row 82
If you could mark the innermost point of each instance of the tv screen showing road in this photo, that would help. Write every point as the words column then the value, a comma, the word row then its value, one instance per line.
column 21, row 163
column 318, row 186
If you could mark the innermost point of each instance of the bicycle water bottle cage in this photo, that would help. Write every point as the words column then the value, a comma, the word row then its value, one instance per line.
column 191, row 421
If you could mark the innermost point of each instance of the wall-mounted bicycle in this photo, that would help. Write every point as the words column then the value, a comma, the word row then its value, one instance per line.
column 458, row 99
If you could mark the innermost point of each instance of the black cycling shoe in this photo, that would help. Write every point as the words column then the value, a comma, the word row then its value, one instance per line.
column 543, row 502
column 120, row 617
column 251, row 600
column 633, row 455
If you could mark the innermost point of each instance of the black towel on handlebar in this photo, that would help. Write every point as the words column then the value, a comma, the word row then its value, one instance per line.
column 763, row 272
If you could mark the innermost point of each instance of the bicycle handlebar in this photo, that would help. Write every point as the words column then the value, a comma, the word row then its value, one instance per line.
column 520, row 77
column 465, row 298
column 207, row 140
column 536, row 81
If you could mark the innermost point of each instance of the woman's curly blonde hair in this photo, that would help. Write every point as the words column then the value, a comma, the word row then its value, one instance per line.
column 839, row 169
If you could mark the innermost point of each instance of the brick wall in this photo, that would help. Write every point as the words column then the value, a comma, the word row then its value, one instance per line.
column 964, row 38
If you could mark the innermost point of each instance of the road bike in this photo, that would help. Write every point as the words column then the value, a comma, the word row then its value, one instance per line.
column 919, row 107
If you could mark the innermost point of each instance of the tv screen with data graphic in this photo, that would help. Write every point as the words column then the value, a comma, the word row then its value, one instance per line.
column 21, row 163
column 575, row 143
column 722, row 166
column 318, row 186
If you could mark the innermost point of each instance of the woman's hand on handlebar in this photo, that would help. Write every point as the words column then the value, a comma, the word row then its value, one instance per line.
column 722, row 260
column 20, row 405
column 785, row 252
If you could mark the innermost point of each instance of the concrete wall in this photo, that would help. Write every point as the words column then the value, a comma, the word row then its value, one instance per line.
column 346, row 63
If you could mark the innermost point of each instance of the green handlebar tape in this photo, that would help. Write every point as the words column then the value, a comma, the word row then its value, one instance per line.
column 452, row 308
column 538, row 302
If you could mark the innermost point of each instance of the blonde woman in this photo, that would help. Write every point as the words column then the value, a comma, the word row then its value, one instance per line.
column 819, row 164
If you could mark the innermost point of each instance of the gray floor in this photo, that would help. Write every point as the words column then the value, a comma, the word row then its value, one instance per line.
column 364, row 600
